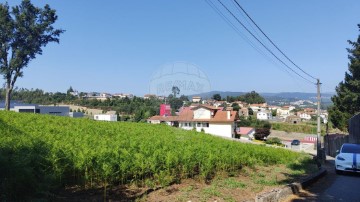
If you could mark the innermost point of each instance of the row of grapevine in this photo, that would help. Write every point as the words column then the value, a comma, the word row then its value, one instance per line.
column 47, row 151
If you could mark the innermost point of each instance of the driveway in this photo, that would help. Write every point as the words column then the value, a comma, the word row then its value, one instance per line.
column 332, row 187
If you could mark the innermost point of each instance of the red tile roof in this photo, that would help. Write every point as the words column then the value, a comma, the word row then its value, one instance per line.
column 244, row 130
column 187, row 114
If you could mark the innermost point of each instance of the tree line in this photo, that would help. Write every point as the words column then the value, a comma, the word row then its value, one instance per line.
column 250, row 98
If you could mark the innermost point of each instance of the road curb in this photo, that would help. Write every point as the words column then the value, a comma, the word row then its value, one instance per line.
column 293, row 188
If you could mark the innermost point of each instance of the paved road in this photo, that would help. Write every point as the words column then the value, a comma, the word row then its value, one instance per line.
column 332, row 187
column 306, row 147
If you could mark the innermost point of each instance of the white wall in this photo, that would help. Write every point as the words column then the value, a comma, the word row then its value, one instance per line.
column 105, row 117
column 305, row 116
column 17, row 108
column 261, row 116
column 220, row 129
column 264, row 115
column 202, row 113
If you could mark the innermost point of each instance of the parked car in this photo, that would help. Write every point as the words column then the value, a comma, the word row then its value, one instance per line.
column 348, row 158
column 295, row 142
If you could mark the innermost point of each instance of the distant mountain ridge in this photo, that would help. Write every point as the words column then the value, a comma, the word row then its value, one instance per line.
column 285, row 95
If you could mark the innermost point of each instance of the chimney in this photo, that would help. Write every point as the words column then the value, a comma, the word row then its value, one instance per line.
column 228, row 115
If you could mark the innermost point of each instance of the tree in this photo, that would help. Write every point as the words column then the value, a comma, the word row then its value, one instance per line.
column 252, row 98
column 175, row 103
column 251, row 112
column 184, row 98
column 261, row 133
column 70, row 90
column 347, row 98
column 175, row 90
column 216, row 97
column 274, row 112
column 23, row 32
column 235, row 106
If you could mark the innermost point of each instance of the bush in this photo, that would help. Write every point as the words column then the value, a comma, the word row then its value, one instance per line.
column 261, row 133
column 250, row 122
column 274, row 140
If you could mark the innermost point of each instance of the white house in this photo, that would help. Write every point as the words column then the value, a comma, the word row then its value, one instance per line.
column 168, row 120
column 304, row 115
column 123, row 95
column 205, row 118
column 105, row 117
column 39, row 109
column 196, row 99
column 258, row 107
column 264, row 115
column 148, row 96
column 284, row 111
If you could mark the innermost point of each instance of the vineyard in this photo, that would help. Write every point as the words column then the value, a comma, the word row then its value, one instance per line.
column 40, row 153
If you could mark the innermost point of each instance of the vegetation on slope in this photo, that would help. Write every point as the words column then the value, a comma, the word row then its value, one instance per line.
column 39, row 153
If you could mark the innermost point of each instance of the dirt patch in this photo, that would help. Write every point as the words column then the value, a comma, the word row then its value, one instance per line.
column 241, row 186
column 288, row 135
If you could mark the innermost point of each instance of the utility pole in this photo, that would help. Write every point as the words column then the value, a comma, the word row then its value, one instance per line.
column 318, row 145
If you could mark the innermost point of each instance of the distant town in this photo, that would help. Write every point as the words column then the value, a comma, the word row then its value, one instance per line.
column 216, row 115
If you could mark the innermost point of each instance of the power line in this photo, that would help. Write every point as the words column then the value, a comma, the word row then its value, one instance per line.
column 272, row 53
column 236, row 29
column 213, row 6
column 271, row 40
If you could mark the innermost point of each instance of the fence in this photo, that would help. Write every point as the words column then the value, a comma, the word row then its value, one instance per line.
column 310, row 138
column 333, row 142
column 354, row 129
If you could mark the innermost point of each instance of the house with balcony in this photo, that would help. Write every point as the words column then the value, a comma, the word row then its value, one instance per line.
column 206, row 118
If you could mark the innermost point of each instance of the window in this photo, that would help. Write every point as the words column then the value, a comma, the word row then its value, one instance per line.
column 350, row 148
column 205, row 125
column 198, row 124
column 26, row 110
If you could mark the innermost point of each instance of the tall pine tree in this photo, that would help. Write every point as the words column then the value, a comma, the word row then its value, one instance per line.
column 347, row 100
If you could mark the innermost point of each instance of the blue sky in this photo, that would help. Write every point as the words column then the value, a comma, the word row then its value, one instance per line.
column 115, row 46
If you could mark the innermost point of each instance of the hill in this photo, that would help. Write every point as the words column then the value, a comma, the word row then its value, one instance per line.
column 273, row 97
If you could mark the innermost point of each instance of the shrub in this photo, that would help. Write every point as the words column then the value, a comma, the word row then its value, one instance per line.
column 274, row 140
column 261, row 133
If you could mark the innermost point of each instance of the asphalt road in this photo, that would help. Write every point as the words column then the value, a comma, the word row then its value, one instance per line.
column 332, row 187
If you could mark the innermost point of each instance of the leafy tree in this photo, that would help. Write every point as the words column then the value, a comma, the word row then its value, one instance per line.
column 251, row 112
column 235, row 106
column 347, row 98
column 184, row 98
column 261, row 133
column 175, row 103
column 255, row 123
column 175, row 90
column 70, row 90
column 273, row 112
column 23, row 32
column 252, row 98
column 230, row 99
column 139, row 115
column 216, row 97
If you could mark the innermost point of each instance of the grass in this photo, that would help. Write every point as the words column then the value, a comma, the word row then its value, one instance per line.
column 308, row 128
